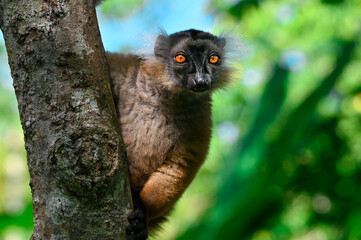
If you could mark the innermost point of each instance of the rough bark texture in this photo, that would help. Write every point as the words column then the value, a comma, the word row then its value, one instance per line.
column 75, row 155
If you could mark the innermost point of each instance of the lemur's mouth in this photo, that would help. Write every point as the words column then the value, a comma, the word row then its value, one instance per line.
column 201, row 87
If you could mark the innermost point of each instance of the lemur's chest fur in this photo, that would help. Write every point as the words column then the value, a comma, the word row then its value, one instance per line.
column 154, row 121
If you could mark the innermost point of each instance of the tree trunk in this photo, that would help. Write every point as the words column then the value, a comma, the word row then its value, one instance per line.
column 78, row 172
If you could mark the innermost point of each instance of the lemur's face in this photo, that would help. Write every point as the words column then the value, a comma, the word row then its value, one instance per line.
column 194, row 59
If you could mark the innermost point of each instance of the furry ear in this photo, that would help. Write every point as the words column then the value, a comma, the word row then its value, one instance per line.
column 234, row 48
column 222, row 42
column 161, row 46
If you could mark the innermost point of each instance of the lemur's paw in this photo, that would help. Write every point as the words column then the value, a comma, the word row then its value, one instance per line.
column 137, row 228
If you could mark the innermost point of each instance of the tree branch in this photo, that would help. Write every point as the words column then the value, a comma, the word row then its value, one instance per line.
column 75, row 155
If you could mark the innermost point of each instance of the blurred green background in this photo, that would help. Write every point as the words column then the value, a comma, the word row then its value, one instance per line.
column 285, row 157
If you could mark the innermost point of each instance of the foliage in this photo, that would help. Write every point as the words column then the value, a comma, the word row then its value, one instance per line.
column 15, row 199
column 294, row 171
column 120, row 8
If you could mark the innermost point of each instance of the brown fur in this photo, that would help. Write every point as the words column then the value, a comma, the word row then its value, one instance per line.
column 165, row 116
column 166, row 130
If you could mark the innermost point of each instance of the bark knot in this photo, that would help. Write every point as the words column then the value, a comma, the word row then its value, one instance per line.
column 86, row 160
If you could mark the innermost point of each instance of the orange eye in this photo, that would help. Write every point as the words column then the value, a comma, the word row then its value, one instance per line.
column 213, row 59
column 180, row 58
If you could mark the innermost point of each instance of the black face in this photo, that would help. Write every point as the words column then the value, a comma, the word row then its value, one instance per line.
column 193, row 58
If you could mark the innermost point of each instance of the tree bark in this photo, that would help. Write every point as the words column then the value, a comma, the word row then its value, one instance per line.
column 78, row 172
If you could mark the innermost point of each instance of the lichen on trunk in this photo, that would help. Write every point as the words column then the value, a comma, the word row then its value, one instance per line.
column 78, row 173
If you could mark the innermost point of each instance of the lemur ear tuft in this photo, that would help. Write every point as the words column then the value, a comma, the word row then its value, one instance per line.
column 222, row 42
column 161, row 46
